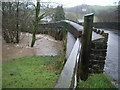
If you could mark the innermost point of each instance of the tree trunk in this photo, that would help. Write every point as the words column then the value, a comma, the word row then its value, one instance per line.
column 37, row 9
column 17, row 32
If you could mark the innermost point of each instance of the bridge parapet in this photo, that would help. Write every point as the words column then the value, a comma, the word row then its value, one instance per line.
column 86, row 53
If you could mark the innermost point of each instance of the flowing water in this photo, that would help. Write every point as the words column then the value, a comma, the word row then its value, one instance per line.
column 45, row 45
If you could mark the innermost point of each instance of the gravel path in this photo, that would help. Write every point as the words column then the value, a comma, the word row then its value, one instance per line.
column 45, row 45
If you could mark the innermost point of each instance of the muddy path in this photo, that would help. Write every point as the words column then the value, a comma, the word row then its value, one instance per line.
column 45, row 45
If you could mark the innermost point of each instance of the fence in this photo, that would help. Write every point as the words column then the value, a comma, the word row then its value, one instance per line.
column 82, row 43
column 85, row 52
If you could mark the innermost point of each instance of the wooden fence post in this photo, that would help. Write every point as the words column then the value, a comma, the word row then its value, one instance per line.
column 85, row 49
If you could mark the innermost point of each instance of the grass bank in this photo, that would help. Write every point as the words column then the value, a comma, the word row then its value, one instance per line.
column 31, row 72
column 96, row 81
column 43, row 72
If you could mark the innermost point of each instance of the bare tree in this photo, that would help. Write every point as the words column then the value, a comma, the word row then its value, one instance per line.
column 16, row 17
column 10, row 16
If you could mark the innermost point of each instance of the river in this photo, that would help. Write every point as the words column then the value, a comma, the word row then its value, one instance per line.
column 45, row 45
column 111, row 65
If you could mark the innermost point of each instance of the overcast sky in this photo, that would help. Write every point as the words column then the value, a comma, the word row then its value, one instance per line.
column 71, row 3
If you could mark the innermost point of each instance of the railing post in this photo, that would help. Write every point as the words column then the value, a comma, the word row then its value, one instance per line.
column 85, row 49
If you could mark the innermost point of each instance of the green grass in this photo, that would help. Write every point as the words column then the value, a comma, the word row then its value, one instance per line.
column 30, row 72
column 96, row 81
column 43, row 72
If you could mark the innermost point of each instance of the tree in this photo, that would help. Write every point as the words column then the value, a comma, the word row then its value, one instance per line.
column 15, row 18
column 17, row 24
column 10, row 14
column 59, row 14
column 36, row 22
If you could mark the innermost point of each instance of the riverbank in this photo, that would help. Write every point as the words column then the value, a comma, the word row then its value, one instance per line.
column 43, row 72
column 37, row 67
column 30, row 72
